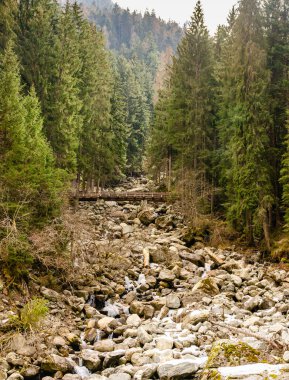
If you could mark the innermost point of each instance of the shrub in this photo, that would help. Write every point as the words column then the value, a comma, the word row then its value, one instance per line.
column 32, row 314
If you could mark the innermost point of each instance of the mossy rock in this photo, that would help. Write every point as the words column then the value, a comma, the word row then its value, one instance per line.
column 211, row 374
column 226, row 353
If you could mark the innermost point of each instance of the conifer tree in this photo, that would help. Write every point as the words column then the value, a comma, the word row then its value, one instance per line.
column 28, row 176
column 245, row 99
column 63, row 123
column 277, row 36
column 191, row 112
column 95, row 154
column 119, row 116
column 284, row 180
column 8, row 25
column 38, row 46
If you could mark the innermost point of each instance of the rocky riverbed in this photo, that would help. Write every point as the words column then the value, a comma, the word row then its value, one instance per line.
column 146, row 306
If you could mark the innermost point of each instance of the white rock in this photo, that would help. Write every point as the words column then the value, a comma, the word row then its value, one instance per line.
column 173, row 301
column 164, row 343
column 286, row 356
column 178, row 369
column 133, row 320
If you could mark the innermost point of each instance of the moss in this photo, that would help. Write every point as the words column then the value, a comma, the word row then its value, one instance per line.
column 226, row 353
column 211, row 374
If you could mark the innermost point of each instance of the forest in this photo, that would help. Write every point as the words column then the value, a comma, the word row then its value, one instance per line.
column 220, row 129
column 91, row 93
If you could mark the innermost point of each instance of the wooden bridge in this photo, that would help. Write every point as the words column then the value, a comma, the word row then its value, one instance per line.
column 124, row 196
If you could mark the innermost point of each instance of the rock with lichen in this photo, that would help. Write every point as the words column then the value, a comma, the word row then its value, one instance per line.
column 226, row 353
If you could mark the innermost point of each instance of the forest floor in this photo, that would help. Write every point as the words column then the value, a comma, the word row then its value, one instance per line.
column 131, row 301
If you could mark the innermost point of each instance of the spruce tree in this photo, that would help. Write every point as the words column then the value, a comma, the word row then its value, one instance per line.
column 8, row 25
column 95, row 157
column 247, row 119
column 284, row 180
column 38, row 46
column 64, row 121
column 191, row 113
column 277, row 36
column 119, row 116
column 28, row 178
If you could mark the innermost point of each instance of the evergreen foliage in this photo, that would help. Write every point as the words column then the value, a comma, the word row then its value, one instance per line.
column 70, row 109
column 221, row 118
column 28, row 175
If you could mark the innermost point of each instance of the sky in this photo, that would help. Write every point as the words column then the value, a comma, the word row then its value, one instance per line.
column 216, row 11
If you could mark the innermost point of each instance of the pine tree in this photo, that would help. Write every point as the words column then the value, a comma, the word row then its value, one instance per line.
column 247, row 120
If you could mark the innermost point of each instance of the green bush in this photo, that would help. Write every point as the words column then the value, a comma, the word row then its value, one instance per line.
column 32, row 314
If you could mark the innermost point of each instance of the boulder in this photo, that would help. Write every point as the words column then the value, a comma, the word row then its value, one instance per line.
column 91, row 360
column 226, row 353
column 106, row 322
column 259, row 371
column 166, row 275
column 50, row 294
column 16, row 376
column 58, row 341
column 106, row 345
column 165, row 222
column 253, row 303
column 112, row 358
column 177, row 369
column 30, row 370
column 54, row 363
column 147, row 217
column 136, row 307
column 173, row 301
column 207, row 285
column 133, row 320
column 196, row 316
column 164, row 343
column 70, row 376
column 195, row 258
column 126, row 229
column 143, row 336
column 120, row 376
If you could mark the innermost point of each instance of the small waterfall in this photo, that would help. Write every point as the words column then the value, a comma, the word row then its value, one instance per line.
column 142, row 279
column 110, row 336
column 91, row 300
column 112, row 310
column 81, row 371
column 129, row 286
column 83, row 344
column 98, row 336
column 206, row 270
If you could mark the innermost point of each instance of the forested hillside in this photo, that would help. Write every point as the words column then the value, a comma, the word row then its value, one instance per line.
column 142, row 45
column 71, row 110
column 220, row 133
column 143, row 233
